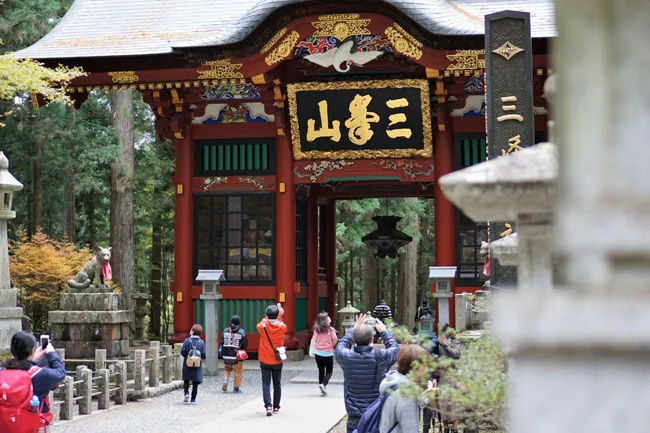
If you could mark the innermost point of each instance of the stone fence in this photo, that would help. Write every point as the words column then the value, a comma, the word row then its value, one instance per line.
column 148, row 373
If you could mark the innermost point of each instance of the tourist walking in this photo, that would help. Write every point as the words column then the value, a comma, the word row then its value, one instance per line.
column 324, row 341
column 401, row 414
column 382, row 311
column 233, row 351
column 363, row 367
column 34, row 368
column 193, row 353
column 271, row 354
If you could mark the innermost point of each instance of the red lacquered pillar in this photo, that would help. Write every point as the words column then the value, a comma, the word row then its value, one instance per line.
column 285, row 235
column 312, row 258
column 445, row 212
column 330, row 239
column 183, row 239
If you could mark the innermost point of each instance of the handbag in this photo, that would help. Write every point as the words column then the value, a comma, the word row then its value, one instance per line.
column 193, row 357
column 280, row 352
column 242, row 355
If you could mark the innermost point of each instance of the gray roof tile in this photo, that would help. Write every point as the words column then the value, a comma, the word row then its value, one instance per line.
column 107, row 28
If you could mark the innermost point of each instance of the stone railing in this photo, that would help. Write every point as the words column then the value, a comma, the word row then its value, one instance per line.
column 116, row 380
column 468, row 316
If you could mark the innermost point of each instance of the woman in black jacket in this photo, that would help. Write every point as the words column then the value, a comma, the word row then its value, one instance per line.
column 233, row 340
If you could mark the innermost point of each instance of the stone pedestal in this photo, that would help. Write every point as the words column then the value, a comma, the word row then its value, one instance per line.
column 10, row 318
column 211, row 332
column 90, row 321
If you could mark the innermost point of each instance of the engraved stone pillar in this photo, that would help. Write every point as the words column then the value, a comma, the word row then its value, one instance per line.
column 68, row 399
column 154, row 366
column 104, row 385
column 139, row 369
column 167, row 363
column 178, row 361
column 121, row 395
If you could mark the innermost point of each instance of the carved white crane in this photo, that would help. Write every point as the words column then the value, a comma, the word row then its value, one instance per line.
column 346, row 53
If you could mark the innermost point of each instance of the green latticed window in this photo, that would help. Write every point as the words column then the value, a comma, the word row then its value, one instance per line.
column 235, row 156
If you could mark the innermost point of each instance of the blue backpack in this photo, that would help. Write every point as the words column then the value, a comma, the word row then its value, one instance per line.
column 369, row 422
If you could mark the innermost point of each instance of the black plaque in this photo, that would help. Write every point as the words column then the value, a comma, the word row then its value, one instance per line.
column 509, row 101
column 366, row 119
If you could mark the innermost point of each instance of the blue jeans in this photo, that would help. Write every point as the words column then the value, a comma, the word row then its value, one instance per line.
column 352, row 424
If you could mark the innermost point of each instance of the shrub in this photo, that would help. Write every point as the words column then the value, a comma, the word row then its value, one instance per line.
column 40, row 268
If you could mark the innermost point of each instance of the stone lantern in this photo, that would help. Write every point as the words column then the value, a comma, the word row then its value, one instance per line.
column 10, row 315
column 442, row 276
column 348, row 319
column 211, row 283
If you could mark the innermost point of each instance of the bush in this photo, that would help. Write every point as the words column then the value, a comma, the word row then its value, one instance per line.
column 480, row 376
column 40, row 268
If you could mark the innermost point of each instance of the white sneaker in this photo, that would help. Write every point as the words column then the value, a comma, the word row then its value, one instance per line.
column 323, row 391
column 186, row 398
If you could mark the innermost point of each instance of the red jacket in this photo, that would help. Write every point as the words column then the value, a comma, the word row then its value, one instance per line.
column 276, row 331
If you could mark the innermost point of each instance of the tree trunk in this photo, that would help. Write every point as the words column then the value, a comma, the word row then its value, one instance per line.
column 393, row 286
column 351, row 275
column 122, row 195
column 370, row 282
column 91, row 231
column 38, row 186
column 69, row 224
column 155, row 277
column 408, row 275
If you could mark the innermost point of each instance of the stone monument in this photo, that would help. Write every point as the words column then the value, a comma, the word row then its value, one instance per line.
column 92, row 319
column 10, row 314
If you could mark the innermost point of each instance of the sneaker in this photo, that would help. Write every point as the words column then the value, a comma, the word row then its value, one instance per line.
column 269, row 411
column 186, row 398
column 193, row 402
column 276, row 410
column 224, row 387
column 237, row 391
column 323, row 391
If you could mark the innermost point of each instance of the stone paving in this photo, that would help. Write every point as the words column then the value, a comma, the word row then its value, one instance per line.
column 217, row 409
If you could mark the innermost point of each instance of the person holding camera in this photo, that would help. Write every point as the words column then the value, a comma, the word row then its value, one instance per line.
column 363, row 366
column 28, row 377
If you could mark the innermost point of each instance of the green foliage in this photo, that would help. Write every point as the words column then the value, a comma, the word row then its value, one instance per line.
column 23, row 22
column 477, row 383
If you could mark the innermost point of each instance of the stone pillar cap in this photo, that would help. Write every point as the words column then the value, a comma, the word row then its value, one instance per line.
column 7, row 181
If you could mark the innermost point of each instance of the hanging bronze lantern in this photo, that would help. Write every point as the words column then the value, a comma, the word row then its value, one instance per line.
column 386, row 239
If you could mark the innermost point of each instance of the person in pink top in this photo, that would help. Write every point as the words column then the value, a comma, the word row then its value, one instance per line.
column 324, row 341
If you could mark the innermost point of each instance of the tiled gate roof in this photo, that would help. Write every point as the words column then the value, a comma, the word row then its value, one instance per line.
column 108, row 28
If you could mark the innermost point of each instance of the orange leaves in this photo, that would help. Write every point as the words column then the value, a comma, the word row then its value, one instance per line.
column 41, row 266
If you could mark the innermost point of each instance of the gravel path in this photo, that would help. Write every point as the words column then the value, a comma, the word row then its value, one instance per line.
column 167, row 413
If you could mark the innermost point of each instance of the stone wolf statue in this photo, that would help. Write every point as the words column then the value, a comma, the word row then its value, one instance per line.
column 97, row 270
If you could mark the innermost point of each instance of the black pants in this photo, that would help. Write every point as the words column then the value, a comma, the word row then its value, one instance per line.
column 325, row 367
column 195, row 388
column 429, row 420
column 271, row 372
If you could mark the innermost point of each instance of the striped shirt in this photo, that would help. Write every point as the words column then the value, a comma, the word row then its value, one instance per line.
column 382, row 311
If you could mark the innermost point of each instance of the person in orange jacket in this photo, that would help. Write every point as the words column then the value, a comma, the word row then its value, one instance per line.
column 271, row 354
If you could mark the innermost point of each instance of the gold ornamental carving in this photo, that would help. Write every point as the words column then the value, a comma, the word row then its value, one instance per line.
column 340, row 26
column 423, row 85
column 404, row 42
column 466, row 60
column 273, row 40
column 283, row 50
column 220, row 69
column 508, row 50
column 123, row 77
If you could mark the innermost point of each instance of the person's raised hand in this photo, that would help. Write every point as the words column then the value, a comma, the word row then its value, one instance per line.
column 360, row 319
column 380, row 326
column 39, row 352
column 49, row 348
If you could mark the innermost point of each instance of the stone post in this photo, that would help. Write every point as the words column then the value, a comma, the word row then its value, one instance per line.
column 121, row 395
column 85, row 404
column 178, row 361
column 167, row 363
column 61, row 353
column 211, row 331
column 139, row 369
column 67, row 393
column 104, row 385
column 154, row 367
column 10, row 315
column 100, row 359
